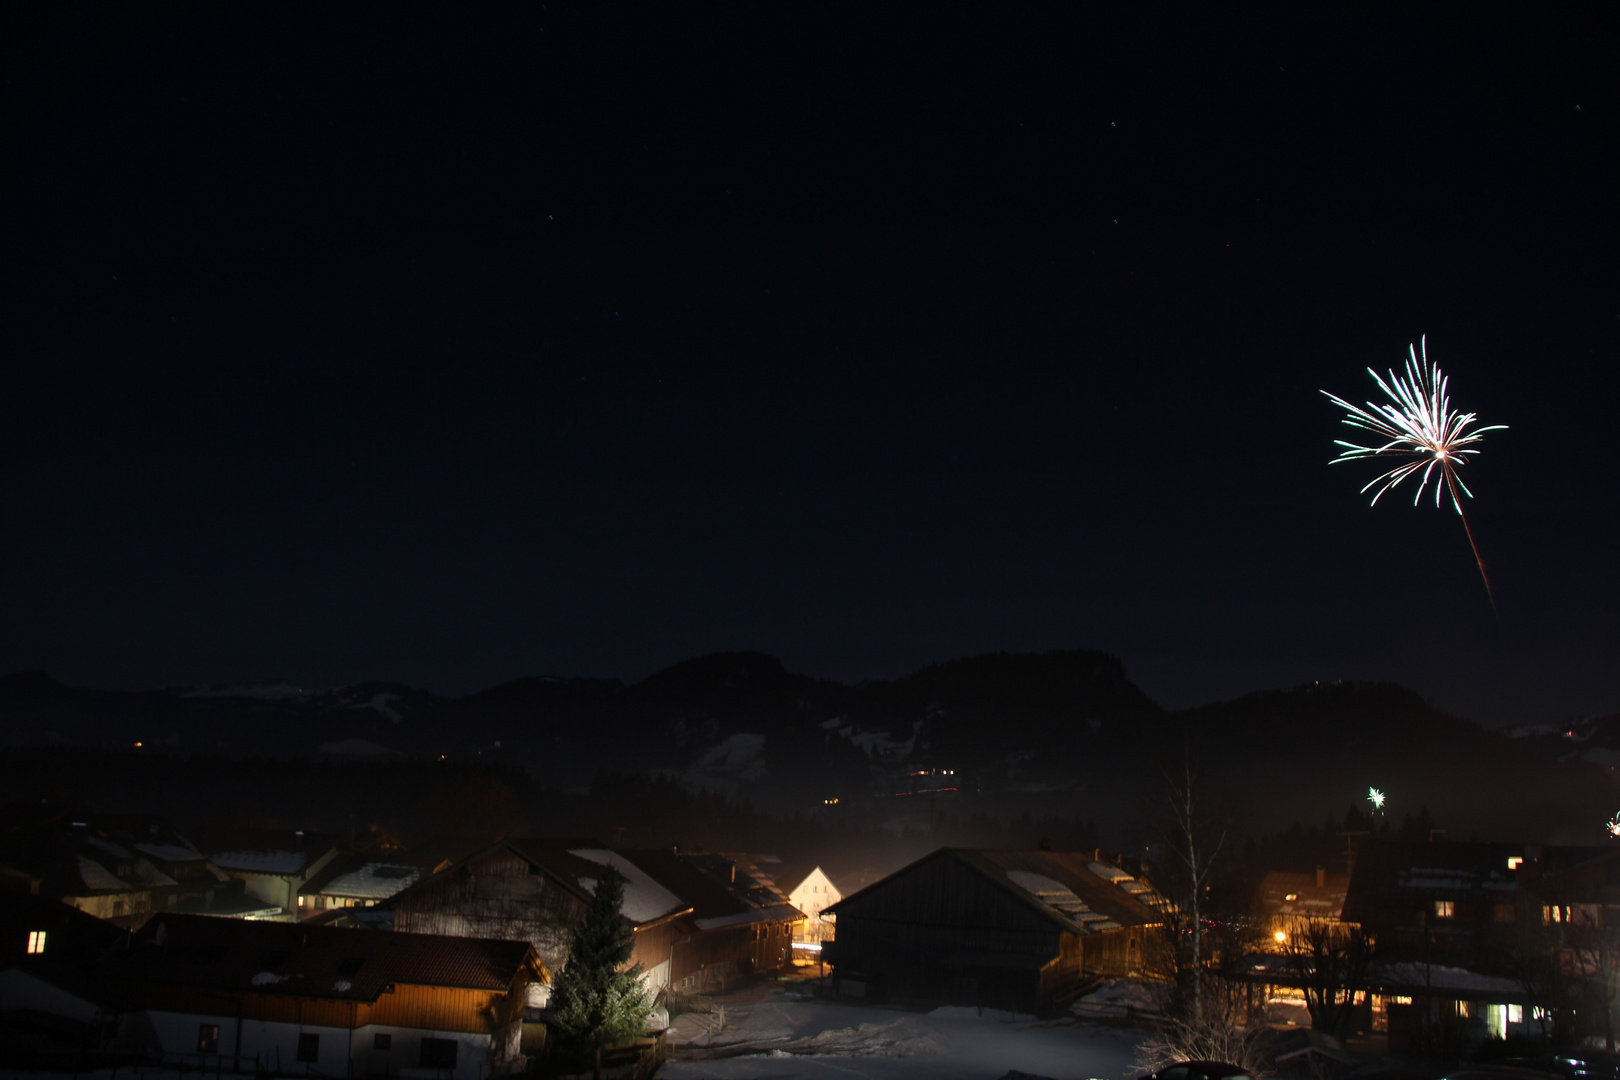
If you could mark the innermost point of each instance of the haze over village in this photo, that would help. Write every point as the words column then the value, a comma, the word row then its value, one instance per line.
column 777, row 542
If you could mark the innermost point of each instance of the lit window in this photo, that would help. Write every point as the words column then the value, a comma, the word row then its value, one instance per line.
column 1400, row 1000
column 36, row 942
column 1515, row 861
column 1444, row 909
column 1290, row 898
column 1515, row 1014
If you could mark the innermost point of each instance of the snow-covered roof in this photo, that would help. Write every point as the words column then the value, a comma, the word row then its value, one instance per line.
column 1440, row 977
column 170, row 852
column 261, row 862
column 773, row 913
column 96, row 876
column 373, row 881
column 644, row 899
column 1060, row 898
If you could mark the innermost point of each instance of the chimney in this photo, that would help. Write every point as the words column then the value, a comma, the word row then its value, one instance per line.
column 1321, row 877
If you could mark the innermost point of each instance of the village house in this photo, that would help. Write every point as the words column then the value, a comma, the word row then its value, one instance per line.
column 273, row 865
column 48, row 997
column 1287, row 899
column 374, row 875
column 118, row 868
column 283, row 998
column 1472, row 941
column 537, row 891
column 809, row 889
column 739, row 924
column 1019, row 930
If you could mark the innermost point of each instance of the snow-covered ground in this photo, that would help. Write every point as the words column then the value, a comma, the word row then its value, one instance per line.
column 782, row 1037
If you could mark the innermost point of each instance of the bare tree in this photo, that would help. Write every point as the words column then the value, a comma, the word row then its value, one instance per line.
column 1222, row 1029
column 1330, row 960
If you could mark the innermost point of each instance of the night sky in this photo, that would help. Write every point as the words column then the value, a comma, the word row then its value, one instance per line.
column 350, row 344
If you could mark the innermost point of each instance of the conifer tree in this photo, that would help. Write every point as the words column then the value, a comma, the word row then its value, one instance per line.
column 594, row 1005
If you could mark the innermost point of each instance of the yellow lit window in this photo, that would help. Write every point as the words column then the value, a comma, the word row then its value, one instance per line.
column 36, row 942
column 1444, row 909
column 1515, row 1014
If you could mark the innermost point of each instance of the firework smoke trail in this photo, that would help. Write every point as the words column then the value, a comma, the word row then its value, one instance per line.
column 1422, row 429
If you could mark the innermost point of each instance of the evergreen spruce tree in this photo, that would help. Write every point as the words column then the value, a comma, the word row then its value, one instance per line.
column 594, row 1005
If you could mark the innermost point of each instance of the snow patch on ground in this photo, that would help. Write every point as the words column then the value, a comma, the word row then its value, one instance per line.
column 971, row 1012
column 740, row 758
column 1116, row 999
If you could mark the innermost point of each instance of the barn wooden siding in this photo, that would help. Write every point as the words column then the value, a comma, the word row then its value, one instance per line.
column 708, row 960
column 904, row 931
column 503, row 896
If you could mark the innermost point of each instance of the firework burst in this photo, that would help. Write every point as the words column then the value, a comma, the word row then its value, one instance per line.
column 1614, row 826
column 1430, row 439
column 1376, row 797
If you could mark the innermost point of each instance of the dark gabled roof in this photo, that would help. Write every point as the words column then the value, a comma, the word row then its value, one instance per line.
column 1419, row 871
column 709, row 899
column 70, row 933
column 1073, row 890
column 335, row 963
column 1296, row 895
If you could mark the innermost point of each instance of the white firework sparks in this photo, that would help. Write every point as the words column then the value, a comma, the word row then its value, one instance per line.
column 1421, row 426
column 1375, row 797
column 1422, row 430
column 1614, row 826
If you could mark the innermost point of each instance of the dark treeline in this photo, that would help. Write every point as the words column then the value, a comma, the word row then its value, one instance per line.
column 415, row 799
column 1304, row 848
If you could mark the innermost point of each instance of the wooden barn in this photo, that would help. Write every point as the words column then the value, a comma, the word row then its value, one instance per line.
column 738, row 924
column 287, row 998
column 536, row 891
column 1021, row 930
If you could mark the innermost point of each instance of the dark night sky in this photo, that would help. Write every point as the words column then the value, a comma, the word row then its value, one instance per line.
column 582, row 339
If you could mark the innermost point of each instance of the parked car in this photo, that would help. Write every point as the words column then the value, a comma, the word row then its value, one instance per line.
column 1200, row 1070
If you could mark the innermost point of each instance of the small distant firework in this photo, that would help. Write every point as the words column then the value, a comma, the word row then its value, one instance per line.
column 1423, row 430
column 1614, row 826
column 1376, row 797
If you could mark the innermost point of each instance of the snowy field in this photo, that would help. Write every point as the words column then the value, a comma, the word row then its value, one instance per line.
column 783, row 1038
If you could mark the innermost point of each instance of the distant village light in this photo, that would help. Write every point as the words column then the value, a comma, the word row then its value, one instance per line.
column 1281, row 936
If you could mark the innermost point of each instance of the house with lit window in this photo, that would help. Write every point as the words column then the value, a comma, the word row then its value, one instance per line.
column 809, row 889
column 290, row 998
column 273, row 865
column 1474, row 941
column 48, row 994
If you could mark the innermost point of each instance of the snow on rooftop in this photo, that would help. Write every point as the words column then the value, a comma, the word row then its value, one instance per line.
column 1109, row 873
column 169, row 852
column 644, row 898
column 373, row 881
column 1449, row 978
column 96, row 876
column 774, row 913
column 261, row 862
